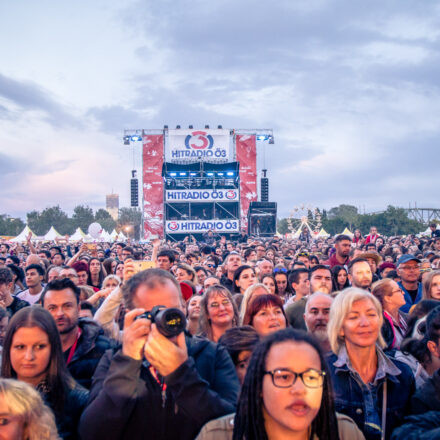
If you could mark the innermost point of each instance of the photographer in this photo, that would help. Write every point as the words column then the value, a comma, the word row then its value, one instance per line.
column 157, row 387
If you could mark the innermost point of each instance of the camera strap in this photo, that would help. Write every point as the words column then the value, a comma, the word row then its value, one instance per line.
column 161, row 381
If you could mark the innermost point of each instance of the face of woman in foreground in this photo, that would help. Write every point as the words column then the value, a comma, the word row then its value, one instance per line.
column 11, row 425
column 361, row 326
column 290, row 410
column 268, row 319
column 30, row 354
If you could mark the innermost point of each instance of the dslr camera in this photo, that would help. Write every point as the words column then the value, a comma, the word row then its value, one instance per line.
column 170, row 322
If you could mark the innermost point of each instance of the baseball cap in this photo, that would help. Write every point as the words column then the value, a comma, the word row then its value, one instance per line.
column 405, row 258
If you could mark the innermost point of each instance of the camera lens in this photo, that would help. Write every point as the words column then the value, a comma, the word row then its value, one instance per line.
column 170, row 322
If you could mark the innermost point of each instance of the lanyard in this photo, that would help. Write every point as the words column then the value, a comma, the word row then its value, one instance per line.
column 73, row 347
column 162, row 384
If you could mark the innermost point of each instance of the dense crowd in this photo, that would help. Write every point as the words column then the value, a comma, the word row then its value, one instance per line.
column 224, row 338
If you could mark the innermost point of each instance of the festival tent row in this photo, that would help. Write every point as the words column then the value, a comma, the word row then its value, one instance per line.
column 78, row 235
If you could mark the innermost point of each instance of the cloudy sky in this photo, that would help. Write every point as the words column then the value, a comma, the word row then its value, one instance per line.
column 350, row 88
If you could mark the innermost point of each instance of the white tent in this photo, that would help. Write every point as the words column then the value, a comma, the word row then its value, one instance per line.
column 122, row 237
column 22, row 236
column 78, row 235
column 347, row 231
column 52, row 234
column 114, row 235
column 323, row 234
column 105, row 236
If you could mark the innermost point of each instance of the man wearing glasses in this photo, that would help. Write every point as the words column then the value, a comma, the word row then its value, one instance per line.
column 408, row 268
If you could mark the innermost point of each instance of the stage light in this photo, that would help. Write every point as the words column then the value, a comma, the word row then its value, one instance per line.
column 126, row 140
column 177, row 126
column 271, row 140
column 220, row 174
column 182, row 174
column 207, row 126
column 190, row 127
column 173, row 174
column 210, row 174
column 165, row 127
column 229, row 173
column 193, row 174
column 136, row 138
column 262, row 137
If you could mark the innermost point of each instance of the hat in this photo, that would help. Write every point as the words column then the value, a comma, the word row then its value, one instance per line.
column 405, row 258
column 386, row 265
column 374, row 255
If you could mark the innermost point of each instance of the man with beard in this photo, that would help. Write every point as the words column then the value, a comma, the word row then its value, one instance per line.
column 82, row 340
column 341, row 256
column 316, row 317
column 359, row 273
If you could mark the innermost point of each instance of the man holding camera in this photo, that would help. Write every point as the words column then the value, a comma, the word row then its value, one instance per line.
column 157, row 387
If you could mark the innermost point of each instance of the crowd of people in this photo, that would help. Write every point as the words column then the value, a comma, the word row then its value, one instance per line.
column 224, row 338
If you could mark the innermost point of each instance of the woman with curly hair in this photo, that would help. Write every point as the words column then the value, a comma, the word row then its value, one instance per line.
column 24, row 416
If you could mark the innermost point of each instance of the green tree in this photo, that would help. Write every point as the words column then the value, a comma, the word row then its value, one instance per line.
column 130, row 217
column 347, row 213
column 105, row 220
column 55, row 217
column 82, row 217
column 282, row 226
column 10, row 226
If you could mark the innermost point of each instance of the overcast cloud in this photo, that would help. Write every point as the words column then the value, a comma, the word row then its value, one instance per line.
column 350, row 88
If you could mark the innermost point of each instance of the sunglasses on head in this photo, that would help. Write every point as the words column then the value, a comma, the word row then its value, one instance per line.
column 280, row 270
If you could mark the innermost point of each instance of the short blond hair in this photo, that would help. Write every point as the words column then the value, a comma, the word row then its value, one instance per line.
column 339, row 310
column 25, row 402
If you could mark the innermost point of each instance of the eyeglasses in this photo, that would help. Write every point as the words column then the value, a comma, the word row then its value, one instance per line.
column 285, row 378
column 426, row 269
column 224, row 303
column 280, row 270
column 410, row 267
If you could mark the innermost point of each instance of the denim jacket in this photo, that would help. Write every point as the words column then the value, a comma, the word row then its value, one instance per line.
column 362, row 402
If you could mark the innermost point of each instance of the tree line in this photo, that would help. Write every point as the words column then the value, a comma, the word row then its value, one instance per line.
column 393, row 221
column 41, row 221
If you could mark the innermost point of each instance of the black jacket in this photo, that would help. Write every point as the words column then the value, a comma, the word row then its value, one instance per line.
column 421, row 427
column 226, row 282
column 126, row 400
column 92, row 344
column 67, row 418
column 427, row 398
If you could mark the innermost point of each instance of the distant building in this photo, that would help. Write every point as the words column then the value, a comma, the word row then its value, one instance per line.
column 112, row 205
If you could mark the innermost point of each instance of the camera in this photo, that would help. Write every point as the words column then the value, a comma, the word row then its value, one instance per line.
column 170, row 322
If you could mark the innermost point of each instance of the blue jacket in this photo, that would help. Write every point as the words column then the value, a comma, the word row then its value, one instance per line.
column 409, row 302
column 364, row 403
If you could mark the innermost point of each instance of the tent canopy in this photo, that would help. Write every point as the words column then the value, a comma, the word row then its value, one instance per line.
column 347, row 231
column 52, row 234
column 22, row 236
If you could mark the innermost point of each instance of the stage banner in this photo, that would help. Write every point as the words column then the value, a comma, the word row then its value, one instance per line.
column 198, row 226
column 202, row 195
column 246, row 152
column 152, row 159
column 194, row 145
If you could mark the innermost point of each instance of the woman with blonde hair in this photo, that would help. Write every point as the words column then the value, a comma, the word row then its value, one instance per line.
column 431, row 285
column 251, row 292
column 24, row 415
column 370, row 387
column 218, row 313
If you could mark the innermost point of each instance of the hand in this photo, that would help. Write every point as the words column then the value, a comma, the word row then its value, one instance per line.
column 128, row 271
column 163, row 354
column 28, row 237
column 83, row 248
column 156, row 243
column 135, row 334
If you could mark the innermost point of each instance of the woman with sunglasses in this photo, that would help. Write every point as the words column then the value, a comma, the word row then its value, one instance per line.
column 287, row 393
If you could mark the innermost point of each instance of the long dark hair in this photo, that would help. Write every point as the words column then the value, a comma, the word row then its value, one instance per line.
column 335, row 272
column 237, row 274
column 249, row 419
column 58, row 379
column 102, row 274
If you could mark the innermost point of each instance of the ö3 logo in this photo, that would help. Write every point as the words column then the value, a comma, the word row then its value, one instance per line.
column 199, row 140
column 173, row 226
column 230, row 194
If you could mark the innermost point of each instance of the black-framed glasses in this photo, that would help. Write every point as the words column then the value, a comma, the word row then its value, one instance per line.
column 285, row 378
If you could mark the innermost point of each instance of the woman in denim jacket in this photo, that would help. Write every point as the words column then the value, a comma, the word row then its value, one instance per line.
column 370, row 387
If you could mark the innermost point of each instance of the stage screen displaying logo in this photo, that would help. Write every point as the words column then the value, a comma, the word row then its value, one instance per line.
column 200, row 226
column 192, row 145
column 202, row 195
